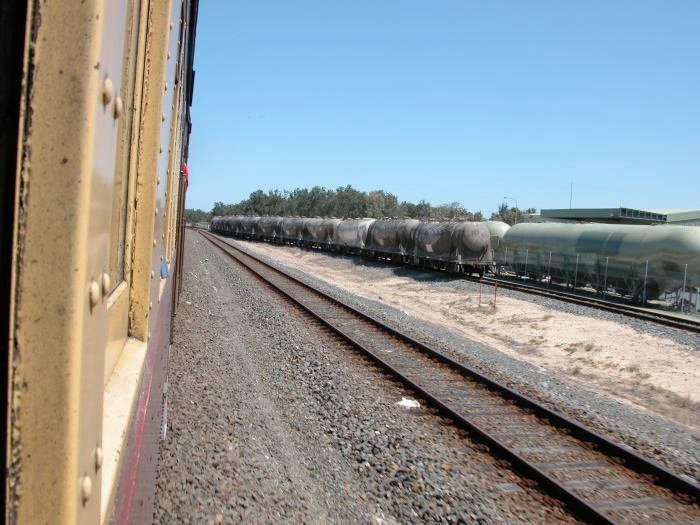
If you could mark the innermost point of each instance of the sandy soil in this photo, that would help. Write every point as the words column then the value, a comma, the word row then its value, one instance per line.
column 652, row 372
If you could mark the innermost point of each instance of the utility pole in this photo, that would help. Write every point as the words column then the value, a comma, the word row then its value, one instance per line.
column 517, row 209
column 571, row 194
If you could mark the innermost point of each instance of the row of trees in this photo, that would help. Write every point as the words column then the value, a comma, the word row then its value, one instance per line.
column 346, row 202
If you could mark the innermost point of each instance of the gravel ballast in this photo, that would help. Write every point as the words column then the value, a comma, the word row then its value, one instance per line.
column 672, row 445
column 271, row 419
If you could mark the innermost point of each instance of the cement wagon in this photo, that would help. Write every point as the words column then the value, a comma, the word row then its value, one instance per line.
column 455, row 246
column 393, row 239
column 291, row 229
column 635, row 260
column 268, row 228
column 351, row 235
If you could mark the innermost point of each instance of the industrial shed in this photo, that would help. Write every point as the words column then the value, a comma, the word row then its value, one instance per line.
column 687, row 217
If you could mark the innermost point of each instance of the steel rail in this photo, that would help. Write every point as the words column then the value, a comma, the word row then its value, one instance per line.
column 595, row 302
column 632, row 460
column 628, row 310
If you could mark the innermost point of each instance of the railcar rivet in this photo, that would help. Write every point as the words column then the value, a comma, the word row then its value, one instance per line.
column 107, row 91
column 165, row 87
column 86, row 488
column 94, row 293
column 153, row 274
column 156, row 211
column 154, row 242
column 162, row 236
column 162, row 117
column 161, row 148
column 161, row 257
column 149, row 336
column 158, row 180
column 106, row 283
column 150, row 305
column 99, row 457
column 118, row 107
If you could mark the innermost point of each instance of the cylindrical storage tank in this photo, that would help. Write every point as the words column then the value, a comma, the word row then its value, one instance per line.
column 352, row 233
column 638, row 260
column 392, row 236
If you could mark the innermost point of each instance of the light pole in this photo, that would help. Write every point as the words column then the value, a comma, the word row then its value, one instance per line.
column 517, row 209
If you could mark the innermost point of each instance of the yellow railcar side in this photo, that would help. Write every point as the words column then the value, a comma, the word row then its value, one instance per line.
column 102, row 134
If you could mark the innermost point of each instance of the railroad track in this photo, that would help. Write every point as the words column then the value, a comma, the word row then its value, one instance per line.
column 654, row 316
column 595, row 302
column 599, row 480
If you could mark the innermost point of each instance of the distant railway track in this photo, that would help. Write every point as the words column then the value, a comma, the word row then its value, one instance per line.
column 582, row 299
column 599, row 480
column 654, row 316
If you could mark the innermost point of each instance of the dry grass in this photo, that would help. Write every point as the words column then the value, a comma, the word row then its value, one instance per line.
column 570, row 349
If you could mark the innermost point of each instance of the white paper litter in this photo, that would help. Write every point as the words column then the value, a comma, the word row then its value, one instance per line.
column 408, row 403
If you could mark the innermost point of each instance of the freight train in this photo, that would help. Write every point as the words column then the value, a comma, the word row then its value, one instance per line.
column 460, row 247
column 95, row 101
column 638, row 262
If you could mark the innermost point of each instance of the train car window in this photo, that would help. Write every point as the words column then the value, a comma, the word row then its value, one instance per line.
column 121, row 209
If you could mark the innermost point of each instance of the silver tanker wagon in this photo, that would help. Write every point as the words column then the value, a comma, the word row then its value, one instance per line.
column 630, row 260
column 497, row 229
column 269, row 228
column 291, row 229
column 392, row 239
column 455, row 246
column 319, row 233
column 351, row 235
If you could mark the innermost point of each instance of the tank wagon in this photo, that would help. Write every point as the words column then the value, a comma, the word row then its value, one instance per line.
column 455, row 246
column 312, row 232
column 351, row 235
column 497, row 229
column 292, row 229
column 392, row 239
column 639, row 261
column 269, row 228
column 249, row 227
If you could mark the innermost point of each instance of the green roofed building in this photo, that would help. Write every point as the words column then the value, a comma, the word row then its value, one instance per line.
column 687, row 217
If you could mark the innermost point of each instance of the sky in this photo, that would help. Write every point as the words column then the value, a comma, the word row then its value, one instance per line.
column 467, row 101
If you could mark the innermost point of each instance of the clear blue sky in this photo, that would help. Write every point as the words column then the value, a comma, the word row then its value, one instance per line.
column 445, row 101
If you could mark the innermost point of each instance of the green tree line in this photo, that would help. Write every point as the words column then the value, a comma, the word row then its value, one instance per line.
column 346, row 201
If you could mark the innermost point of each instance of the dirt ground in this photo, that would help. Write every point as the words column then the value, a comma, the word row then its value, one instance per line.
column 610, row 357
